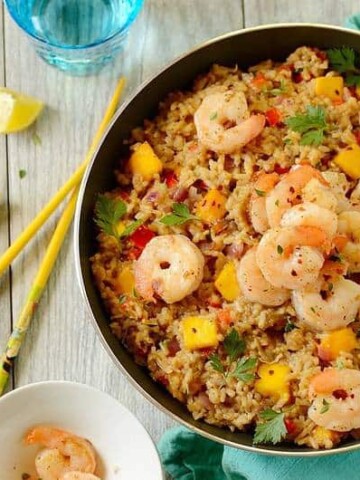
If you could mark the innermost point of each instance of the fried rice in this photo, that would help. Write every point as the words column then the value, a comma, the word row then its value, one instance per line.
column 151, row 331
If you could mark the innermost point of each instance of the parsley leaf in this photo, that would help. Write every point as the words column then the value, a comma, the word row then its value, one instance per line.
column 273, row 430
column 131, row 228
column 108, row 212
column 216, row 363
column 289, row 326
column 245, row 369
column 344, row 60
column 234, row 345
column 180, row 215
column 311, row 125
column 279, row 249
column 261, row 193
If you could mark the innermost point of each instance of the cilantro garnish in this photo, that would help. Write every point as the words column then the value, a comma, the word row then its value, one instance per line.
column 325, row 407
column 22, row 173
column 245, row 369
column 289, row 326
column 312, row 125
column 279, row 249
column 273, row 430
column 108, row 212
column 213, row 116
column 180, row 215
column 345, row 60
column 234, row 345
column 216, row 364
column 122, row 299
column 131, row 228
column 261, row 193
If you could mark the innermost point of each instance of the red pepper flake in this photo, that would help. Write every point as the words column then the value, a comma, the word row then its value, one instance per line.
column 170, row 178
column 163, row 380
column 273, row 117
column 280, row 170
column 297, row 76
column 290, row 426
column 340, row 394
column 320, row 54
column 141, row 237
column 200, row 185
column 124, row 195
column 206, row 352
column 356, row 134
column 173, row 347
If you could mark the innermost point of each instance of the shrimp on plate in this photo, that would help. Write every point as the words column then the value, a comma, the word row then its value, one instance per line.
column 64, row 452
column 349, row 224
column 323, row 306
column 288, row 192
column 292, row 257
column 79, row 476
column 312, row 215
column 335, row 396
column 223, row 122
column 254, row 286
column 264, row 183
column 170, row 266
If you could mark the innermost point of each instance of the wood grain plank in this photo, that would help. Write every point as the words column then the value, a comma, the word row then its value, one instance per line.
column 259, row 12
column 5, row 306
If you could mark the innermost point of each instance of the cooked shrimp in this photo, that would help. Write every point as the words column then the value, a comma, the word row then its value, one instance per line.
column 288, row 191
column 254, row 286
column 349, row 224
column 326, row 307
column 64, row 452
column 170, row 266
column 335, row 396
column 288, row 257
column 321, row 195
column 257, row 209
column 79, row 476
column 312, row 215
column 223, row 122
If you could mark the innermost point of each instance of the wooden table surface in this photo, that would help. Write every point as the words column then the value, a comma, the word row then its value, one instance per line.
column 61, row 343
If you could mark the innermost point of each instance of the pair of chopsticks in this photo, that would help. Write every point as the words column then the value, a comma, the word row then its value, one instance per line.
column 17, row 336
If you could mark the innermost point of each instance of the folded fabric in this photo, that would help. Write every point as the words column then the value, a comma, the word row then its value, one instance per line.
column 353, row 22
column 188, row 456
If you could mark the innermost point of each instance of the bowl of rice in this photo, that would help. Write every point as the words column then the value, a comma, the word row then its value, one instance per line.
column 218, row 239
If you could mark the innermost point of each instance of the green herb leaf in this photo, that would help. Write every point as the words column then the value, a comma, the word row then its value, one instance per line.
column 279, row 249
column 278, row 90
column 36, row 139
column 310, row 125
column 131, row 228
column 180, row 215
column 213, row 116
column 259, row 192
column 108, row 212
column 216, row 364
column 234, row 345
column 22, row 173
column 273, row 430
column 122, row 299
column 289, row 326
column 325, row 407
column 345, row 60
column 245, row 369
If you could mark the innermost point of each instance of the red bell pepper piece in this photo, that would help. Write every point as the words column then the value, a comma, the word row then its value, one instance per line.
column 141, row 236
column 273, row 117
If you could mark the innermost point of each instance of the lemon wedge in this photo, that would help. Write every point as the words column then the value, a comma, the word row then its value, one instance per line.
column 17, row 111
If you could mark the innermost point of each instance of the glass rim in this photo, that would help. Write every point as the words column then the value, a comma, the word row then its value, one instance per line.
column 134, row 13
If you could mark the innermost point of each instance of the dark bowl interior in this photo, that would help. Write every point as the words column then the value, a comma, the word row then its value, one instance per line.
column 245, row 48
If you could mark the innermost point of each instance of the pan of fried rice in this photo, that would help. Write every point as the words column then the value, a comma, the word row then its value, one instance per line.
column 217, row 239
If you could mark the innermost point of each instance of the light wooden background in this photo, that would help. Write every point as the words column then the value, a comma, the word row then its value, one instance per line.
column 62, row 344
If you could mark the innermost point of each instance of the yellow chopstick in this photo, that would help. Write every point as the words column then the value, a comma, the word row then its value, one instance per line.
column 75, row 179
column 17, row 336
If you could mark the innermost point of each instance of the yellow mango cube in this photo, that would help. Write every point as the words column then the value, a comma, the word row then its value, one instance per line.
column 125, row 281
column 273, row 381
column 349, row 161
column 212, row 207
column 145, row 162
column 226, row 282
column 332, row 87
column 337, row 341
column 199, row 332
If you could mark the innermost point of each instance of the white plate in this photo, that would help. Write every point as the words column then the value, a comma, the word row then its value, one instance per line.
column 125, row 449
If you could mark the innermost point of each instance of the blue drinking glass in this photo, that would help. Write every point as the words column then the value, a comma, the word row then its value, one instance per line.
column 77, row 36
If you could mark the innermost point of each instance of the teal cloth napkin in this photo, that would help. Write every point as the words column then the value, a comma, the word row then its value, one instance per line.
column 188, row 456
column 353, row 22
